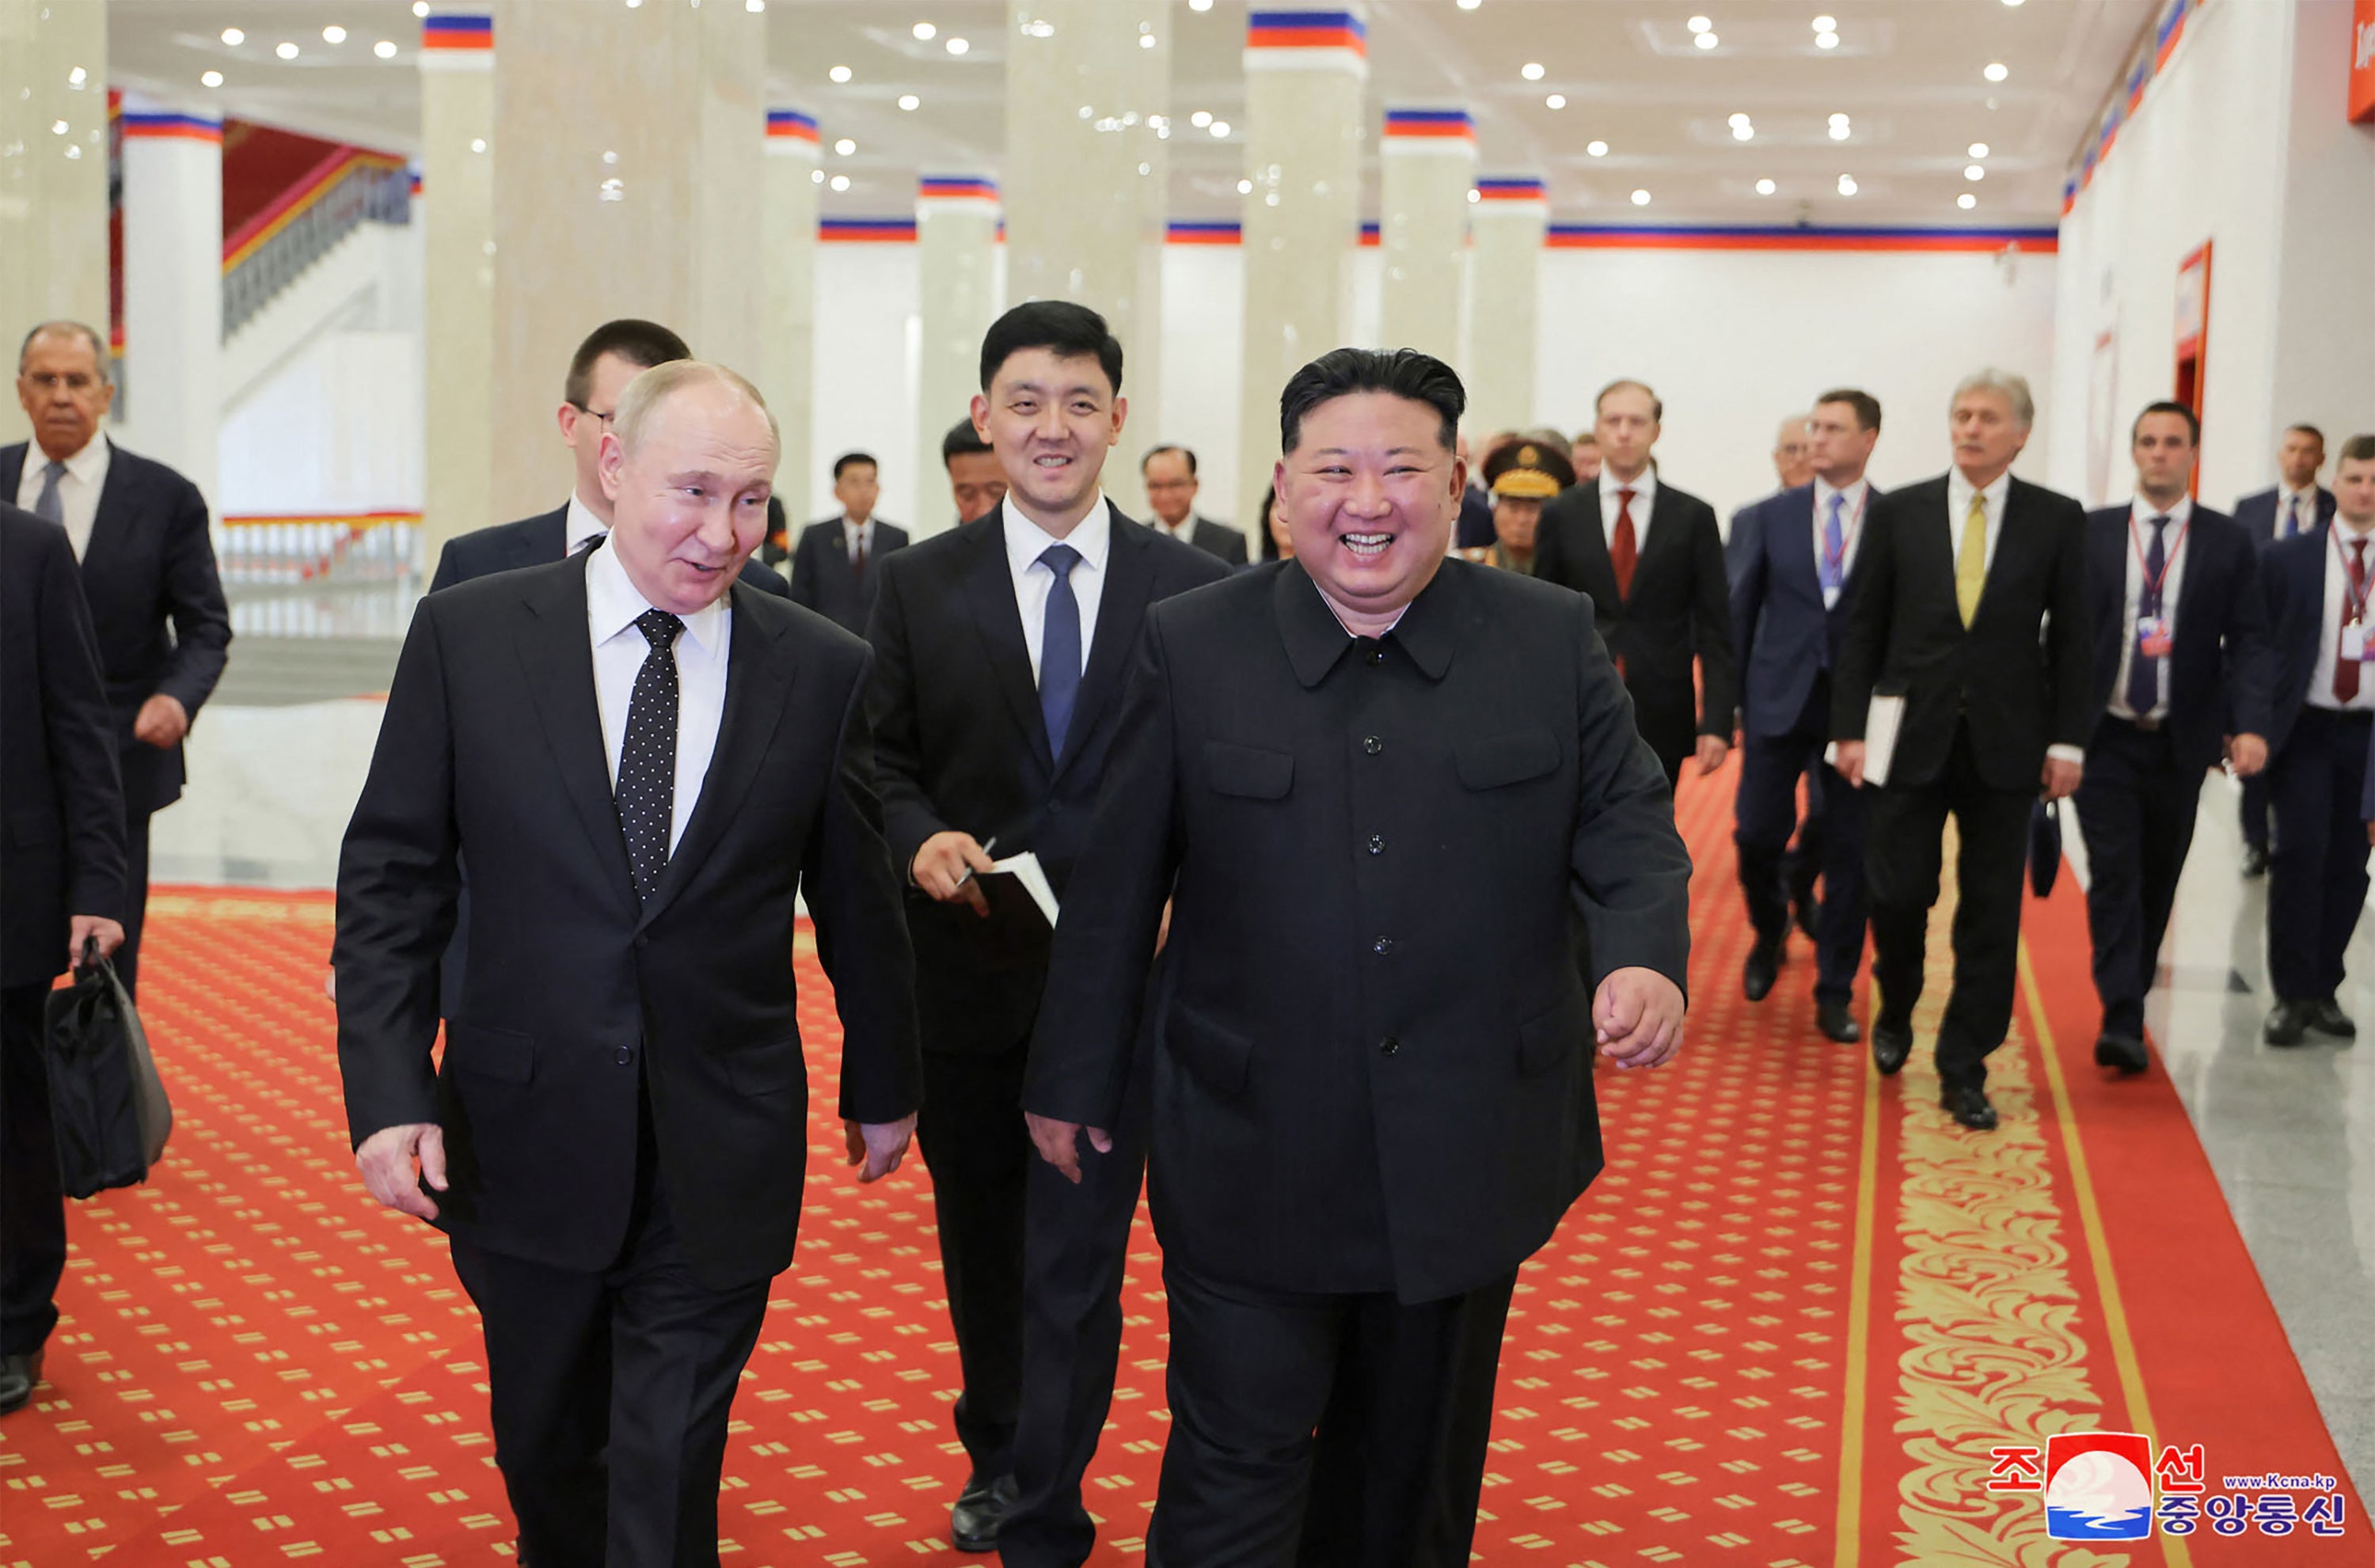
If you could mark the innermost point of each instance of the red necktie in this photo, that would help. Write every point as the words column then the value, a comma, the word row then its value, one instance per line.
column 2354, row 603
column 1624, row 551
column 858, row 558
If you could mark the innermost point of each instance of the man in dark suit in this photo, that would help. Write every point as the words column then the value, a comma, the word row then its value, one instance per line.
column 139, row 530
column 1651, row 558
column 2297, row 504
column 612, row 355
column 2321, row 717
column 1973, row 609
column 1793, row 563
column 2181, row 681
column 1385, row 794
column 1169, row 475
column 833, row 567
column 65, row 840
column 1475, row 530
column 976, row 481
column 999, row 652
column 615, row 1139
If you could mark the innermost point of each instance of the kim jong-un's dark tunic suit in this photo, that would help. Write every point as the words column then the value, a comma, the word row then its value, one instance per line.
column 1373, row 1083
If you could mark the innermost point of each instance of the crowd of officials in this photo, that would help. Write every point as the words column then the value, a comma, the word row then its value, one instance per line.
column 1331, row 829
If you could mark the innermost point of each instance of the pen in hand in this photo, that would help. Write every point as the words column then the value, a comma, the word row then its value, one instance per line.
column 988, row 844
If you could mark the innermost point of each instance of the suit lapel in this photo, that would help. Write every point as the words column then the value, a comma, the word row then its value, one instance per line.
column 990, row 594
column 1592, row 560
column 1121, row 610
column 12, row 471
column 113, row 518
column 559, row 661
column 1795, row 549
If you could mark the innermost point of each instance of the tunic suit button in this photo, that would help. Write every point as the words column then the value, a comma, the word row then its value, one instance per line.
column 1382, row 945
column 626, row 1056
column 1388, row 1045
column 1377, row 843
column 1372, row 744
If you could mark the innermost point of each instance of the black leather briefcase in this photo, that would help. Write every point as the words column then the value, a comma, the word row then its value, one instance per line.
column 107, row 1104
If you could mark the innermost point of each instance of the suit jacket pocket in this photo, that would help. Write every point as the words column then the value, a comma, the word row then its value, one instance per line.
column 1509, row 759
column 766, row 1069
column 1219, row 1059
column 1248, row 771
column 505, row 1054
column 1548, row 1038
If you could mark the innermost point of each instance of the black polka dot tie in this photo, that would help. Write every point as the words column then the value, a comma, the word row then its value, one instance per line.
column 647, row 761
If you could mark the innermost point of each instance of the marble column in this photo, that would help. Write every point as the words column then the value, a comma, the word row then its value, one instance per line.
column 52, row 173
column 632, row 144
column 1088, row 96
column 173, row 287
column 788, row 324
column 1305, row 67
column 1427, row 166
column 956, row 258
column 1507, row 222
column 456, row 209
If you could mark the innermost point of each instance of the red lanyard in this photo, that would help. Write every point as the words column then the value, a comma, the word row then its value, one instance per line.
column 2153, row 584
column 1838, row 563
column 2354, row 599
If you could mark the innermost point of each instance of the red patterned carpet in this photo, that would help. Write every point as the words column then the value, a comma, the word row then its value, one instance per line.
column 1785, row 1329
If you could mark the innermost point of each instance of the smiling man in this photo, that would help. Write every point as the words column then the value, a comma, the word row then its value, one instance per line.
column 1387, row 793
column 644, row 761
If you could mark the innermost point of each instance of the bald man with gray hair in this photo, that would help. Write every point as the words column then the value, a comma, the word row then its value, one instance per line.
column 644, row 762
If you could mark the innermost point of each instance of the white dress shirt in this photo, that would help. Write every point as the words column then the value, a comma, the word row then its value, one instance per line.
column 1855, row 497
column 1034, row 581
column 2296, row 511
column 79, row 488
column 1645, row 491
column 611, row 606
column 1958, row 508
column 2173, row 537
column 1185, row 532
column 2329, row 647
column 581, row 525
column 857, row 537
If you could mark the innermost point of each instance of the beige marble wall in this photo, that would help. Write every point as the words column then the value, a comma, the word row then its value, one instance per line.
column 1422, row 235
column 630, row 145
column 1505, row 265
column 52, row 183
column 1303, row 130
column 787, row 330
column 956, row 260
column 456, row 214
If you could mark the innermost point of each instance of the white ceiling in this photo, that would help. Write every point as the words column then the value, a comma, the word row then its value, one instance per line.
column 1908, row 74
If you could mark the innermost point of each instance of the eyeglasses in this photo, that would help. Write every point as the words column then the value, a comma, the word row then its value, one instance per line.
column 75, row 381
column 592, row 414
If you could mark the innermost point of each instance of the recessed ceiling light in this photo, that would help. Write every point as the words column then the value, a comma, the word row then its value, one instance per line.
column 926, row 31
column 1839, row 117
column 1598, row 149
column 76, row 76
column 1744, row 132
column 839, row 73
column 333, row 33
column 1146, row 41
column 286, row 50
column 477, row 144
column 1827, row 24
column 1967, row 201
column 1219, row 128
column 1640, row 198
column 59, row 128
column 1973, row 172
column 957, row 46
column 816, row 176
column 1827, row 40
column 1847, row 184
column 1698, row 24
column 1201, row 118
column 1996, row 72
column 840, row 182
column 1979, row 149
column 1245, row 187
column 1464, row 5
column 1739, row 118
column 1705, row 40
column 1474, row 195
column 233, row 37
column 1556, row 101
column 844, row 147
column 212, row 79
column 1841, row 130
column 910, row 101
column 754, row 7
column 1199, row 5
column 1531, row 70
column 2011, row 2
column 419, row 7
column 384, row 49
column 1765, row 187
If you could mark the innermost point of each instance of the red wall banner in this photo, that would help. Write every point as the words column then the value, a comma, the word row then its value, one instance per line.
column 2362, row 62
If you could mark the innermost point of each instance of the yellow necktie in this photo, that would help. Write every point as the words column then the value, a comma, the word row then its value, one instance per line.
column 1972, row 560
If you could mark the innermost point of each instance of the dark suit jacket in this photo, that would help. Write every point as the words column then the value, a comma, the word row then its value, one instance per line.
column 2218, row 666
column 963, row 746
column 156, row 604
column 824, row 580
column 1219, row 539
column 2024, row 670
column 1784, row 633
column 1680, row 609
column 493, row 746
column 1475, row 519
column 2257, row 512
column 538, row 541
column 62, row 823
column 1375, row 1059
column 2292, row 580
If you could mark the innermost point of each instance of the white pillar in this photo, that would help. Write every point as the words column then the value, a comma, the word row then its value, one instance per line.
column 457, row 208
column 52, row 173
column 1427, row 167
column 788, row 327
column 956, row 255
column 1508, row 222
column 173, row 287
column 1305, row 67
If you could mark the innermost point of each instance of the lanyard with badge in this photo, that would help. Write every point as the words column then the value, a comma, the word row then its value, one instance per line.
column 2354, row 608
column 2155, row 633
column 1834, row 561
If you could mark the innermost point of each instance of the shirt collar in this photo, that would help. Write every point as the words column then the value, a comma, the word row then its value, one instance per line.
column 2178, row 515
column 850, row 524
column 613, row 605
column 1644, row 489
column 580, row 525
column 2307, row 492
column 1315, row 638
column 84, row 467
column 1959, row 492
column 1854, row 493
column 1026, row 542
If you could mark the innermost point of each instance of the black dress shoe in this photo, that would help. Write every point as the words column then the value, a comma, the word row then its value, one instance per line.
column 2327, row 1017
column 1968, row 1105
column 2256, row 861
column 1891, row 1043
column 2121, row 1051
column 2288, row 1025
column 980, row 1508
column 18, row 1376
column 1763, row 968
column 1834, row 1020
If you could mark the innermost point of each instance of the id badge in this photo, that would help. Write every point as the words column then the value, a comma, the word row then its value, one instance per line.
column 2354, row 643
column 2152, row 636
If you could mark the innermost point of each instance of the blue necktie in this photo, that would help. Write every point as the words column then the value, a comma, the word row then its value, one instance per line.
column 1835, row 546
column 2144, row 674
column 47, row 506
column 1060, row 648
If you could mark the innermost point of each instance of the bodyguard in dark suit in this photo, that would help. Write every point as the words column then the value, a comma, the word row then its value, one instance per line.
column 63, row 872
column 615, row 1139
column 1793, row 563
column 1385, row 793
column 2296, row 504
column 1651, row 558
column 1169, row 475
column 1973, row 608
column 612, row 355
column 977, row 484
column 2180, row 667
column 2321, row 716
column 1000, row 648
column 139, row 530
column 833, row 566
